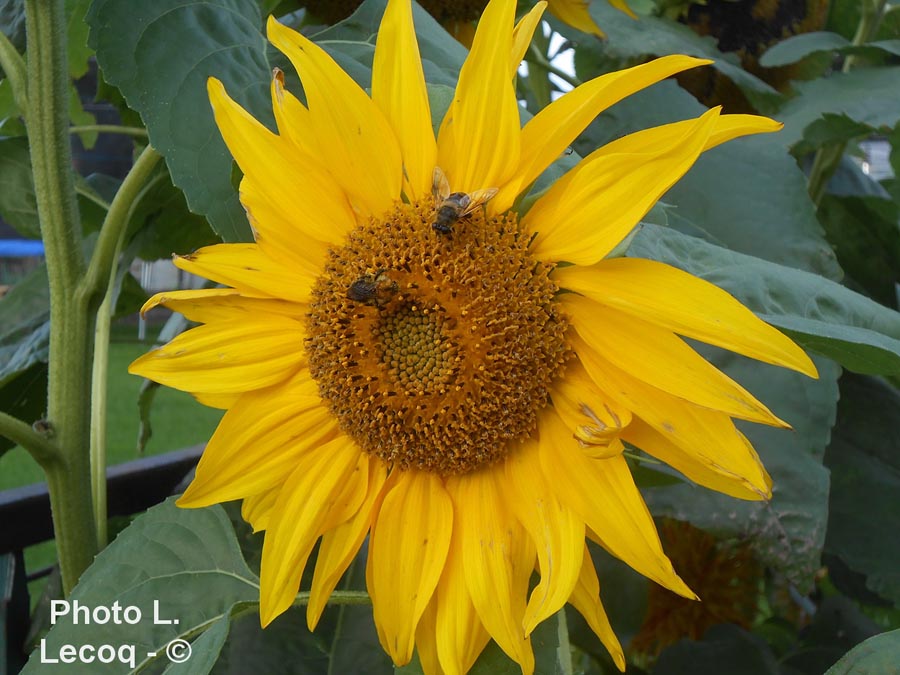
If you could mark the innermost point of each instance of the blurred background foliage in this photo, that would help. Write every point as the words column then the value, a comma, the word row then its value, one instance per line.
column 802, row 226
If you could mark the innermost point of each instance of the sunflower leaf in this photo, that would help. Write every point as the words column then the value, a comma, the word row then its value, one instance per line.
column 878, row 654
column 183, row 571
column 167, row 87
column 865, row 95
column 865, row 483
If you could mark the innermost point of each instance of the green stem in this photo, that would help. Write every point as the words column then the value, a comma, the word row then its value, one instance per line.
column 93, row 285
column 71, row 318
column 100, row 375
column 42, row 449
column 827, row 158
column 138, row 132
column 14, row 68
column 564, row 650
column 534, row 56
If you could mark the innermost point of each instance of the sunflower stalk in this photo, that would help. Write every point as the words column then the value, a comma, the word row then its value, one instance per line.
column 137, row 132
column 535, row 57
column 71, row 313
column 133, row 189
column 827, row 158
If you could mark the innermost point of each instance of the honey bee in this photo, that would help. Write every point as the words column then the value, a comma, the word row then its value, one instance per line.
column 375, row 290
column 453, row 206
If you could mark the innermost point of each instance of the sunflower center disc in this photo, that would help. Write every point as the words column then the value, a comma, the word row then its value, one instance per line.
column 435, row 350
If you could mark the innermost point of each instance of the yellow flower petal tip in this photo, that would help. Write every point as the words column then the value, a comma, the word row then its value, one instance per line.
column 396, row 360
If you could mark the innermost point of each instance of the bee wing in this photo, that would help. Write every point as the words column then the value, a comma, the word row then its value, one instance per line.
column 440, row 186
column 478, row 198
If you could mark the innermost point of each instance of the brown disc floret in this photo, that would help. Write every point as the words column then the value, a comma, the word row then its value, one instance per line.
column 448, row 356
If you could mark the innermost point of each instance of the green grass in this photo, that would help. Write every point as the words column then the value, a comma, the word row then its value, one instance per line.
column 178, row 421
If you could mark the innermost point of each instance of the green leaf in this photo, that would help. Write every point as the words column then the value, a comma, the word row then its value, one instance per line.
column 162, row 225
column 12, row 22
column 866, row 238
column 24, row 395
column 723, row 649
column 747, row 194
column 659, row 36
column 172, row 564
column 354, row 39
column 18, row 205
column 879, row 654
column 866, row 95
column 287, row 640
column 819, row 314
column 77, row 47
column 798, row 47
column 205, row 650
column 828, row 129
column 25, row 324
column 221, row 38
column 865, row 483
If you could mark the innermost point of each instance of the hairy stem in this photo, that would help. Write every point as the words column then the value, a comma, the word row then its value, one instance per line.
column 71, row 319
column 21, row 433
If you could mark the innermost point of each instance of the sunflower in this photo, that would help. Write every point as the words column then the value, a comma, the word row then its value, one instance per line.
column 453, row 382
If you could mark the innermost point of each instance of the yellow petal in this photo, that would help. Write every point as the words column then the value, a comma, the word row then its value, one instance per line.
column 707, row 435
column 702, row 471
column 459, row 634
column 354, row 139
column 685, row 304
column 340, row 545
column 546, row 135
column 292, row 117
column 297, row 521
column 479, row 144
column 661, row 359
column 426, row 640
column 523, row 34
column 586, row 599
column 575, row 13
column 249, row 270
column 557, row 532
column 208, row 305
column 398, row 89
column 584, row 408
column 407, row 550
column 497, row 560
column 258, row 442
column 257, row 509
column 276, row 180
column 587, row 212
column 462, row 31
column 227, row 356
column 603, row 493
column 221, row 401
